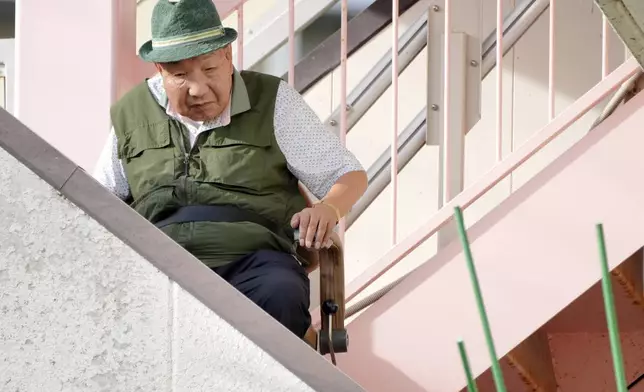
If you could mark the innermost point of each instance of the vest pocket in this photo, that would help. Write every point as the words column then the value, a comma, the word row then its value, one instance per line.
column 148, row 158
column 145, row 138
column 236, row 163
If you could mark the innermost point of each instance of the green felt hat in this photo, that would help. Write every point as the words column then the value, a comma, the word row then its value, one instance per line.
column 182, row 29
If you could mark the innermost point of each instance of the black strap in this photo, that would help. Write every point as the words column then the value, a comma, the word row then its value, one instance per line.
column 219, row 213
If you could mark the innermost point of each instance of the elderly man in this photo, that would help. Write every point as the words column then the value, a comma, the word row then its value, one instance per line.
column 213, row 157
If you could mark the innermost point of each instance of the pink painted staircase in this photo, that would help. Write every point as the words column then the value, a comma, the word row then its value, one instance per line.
column 538, row 266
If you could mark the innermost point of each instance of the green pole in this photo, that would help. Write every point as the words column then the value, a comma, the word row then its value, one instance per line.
column 611, row 314
column 471, row 384
column 496, row 368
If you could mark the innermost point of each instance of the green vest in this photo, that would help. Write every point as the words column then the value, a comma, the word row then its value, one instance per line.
column 239, row 164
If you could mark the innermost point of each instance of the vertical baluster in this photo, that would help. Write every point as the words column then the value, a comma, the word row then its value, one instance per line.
column 240, row 36
column 551, row 63
column 471, row 383
column 343, row 84
column 605, row 31
column 291, row 43
column 496, row 367
column 394, row 122
column 447, row 155
column 499, row 80
column 611, row 314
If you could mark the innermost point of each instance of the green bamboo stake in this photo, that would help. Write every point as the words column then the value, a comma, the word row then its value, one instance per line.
column 611, row 314
column 496, row 368
column 471, row 384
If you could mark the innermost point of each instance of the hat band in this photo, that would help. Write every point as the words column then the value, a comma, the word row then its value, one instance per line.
column 188, row 38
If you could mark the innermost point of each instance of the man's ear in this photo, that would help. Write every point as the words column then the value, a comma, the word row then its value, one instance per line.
column 158, row 67
column 228, row 51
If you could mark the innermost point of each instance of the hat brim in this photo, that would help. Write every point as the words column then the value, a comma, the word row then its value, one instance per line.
column 188, row 51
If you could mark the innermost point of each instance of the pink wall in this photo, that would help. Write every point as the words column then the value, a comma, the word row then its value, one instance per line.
column 535, row 254
column 128, row 69
column 73, row 58
column 64, row 62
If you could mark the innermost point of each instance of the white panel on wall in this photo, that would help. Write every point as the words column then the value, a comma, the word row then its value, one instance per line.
column 210, row 355
column 82, row 311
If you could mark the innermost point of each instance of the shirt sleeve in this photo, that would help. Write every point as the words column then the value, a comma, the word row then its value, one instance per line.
column 109, row 170
column 314, row 154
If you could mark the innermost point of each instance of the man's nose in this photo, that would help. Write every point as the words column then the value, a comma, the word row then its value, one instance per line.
column 198, row 87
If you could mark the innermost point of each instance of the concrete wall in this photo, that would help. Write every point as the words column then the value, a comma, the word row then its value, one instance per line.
column 83, row 311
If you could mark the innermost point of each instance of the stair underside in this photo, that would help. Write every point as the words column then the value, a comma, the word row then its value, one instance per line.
column 571, row 351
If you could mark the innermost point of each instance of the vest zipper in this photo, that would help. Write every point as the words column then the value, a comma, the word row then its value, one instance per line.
column 186, row 162
column 186, row 168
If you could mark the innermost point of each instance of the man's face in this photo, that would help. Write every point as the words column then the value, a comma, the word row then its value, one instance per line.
column 199, row 88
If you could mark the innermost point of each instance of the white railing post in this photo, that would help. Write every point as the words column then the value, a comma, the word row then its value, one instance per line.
column 499, row 80
column 240, row 37
column 605, row 46
column 291, row 43
column 394, row 121
column 551, row 61
column 344, row 27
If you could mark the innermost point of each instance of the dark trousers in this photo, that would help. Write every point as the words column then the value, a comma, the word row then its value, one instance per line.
column 277, row 283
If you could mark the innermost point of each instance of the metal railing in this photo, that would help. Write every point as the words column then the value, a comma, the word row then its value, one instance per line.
column 500, row 171
column 379, row 79
column 376, row 82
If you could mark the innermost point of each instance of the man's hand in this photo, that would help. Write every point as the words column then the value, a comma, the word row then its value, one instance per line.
column 315, row 225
